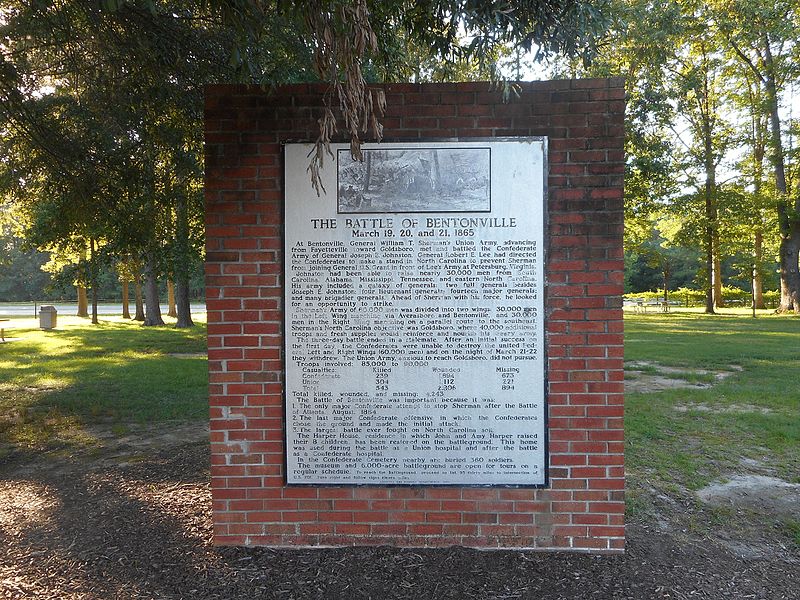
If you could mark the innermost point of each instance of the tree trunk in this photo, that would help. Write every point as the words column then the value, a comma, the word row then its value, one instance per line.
column 95, row 320
column 759, row 141
column 138, row 301
column 758, row 283
column 184, row 313
column 711, row 222
column 83, row 301
column 789, row 257
column 789, row 227
column 83, row 298
column 184, row 306
column 93, row 272
column 126, row 309
column 709, row 272
column 710, row 193
column 719, row 301
column 171, row 311
column 151, row 301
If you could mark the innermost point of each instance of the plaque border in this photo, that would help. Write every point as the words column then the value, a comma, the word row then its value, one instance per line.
column 545, row 254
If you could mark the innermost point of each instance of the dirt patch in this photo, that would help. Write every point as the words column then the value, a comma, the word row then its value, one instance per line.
column 87, row 527
column 149, row 436
column 136, row 441
column 648, row 377
column 188, row 354
column 728, row 408
column 757, row 492
column 647, row 383
column 101, row 445
column 755, row 516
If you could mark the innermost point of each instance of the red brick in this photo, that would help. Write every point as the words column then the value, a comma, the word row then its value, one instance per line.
column 480, row 518
column 316, row 528
column 607, row 459
column 393, row 530
column 588, row 472
column 443, row 517
column 354, row 529
column 515, row 518
column 589, row 447
column 607, row 507
column 567, row 459
column 607, row 531
column 566, row 411
column 607, row 484
column 589, row 543
column 426, row 529
column 336, row 517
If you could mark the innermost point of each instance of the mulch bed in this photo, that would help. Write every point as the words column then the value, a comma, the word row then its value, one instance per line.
column 142, row 530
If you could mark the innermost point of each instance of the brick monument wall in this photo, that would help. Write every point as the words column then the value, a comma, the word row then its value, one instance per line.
column 583, row 506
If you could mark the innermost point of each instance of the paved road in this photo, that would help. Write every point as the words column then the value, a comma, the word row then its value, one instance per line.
column 27, row 309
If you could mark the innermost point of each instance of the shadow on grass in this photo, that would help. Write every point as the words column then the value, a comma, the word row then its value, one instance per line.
column 701, row 341
column 56, row 385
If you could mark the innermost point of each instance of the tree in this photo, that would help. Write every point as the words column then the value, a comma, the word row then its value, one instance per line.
column 101, row 108
column 673, row 71
column 138, row 296
column 103, row 141
column 347, row 36
column 21, row 275
column 698, row 86
column 127, row 270
column 662, row 261
column 659, row 256
column 763, row 36
column 638, row 44
column 693, row 68
column 757, row 193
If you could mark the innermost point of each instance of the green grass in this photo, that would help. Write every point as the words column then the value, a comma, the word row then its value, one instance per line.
column 752, row 414
column 55, row 383
column 793, row 528
column 633, row 371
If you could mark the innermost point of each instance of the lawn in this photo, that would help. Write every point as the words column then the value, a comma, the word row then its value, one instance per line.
column 55, row 384
column 747, row 422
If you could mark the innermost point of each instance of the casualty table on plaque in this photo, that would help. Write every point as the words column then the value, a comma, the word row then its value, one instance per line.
column 414, row 332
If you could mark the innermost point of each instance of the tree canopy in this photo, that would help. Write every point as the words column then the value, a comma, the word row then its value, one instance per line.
column 101, row 104
column 101, row 101
column 711, row 116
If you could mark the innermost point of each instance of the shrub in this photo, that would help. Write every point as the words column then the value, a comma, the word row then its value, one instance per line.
column 690, row 297
column 772, row 298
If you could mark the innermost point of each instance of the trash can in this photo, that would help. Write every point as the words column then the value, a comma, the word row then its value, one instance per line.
column 47, row 317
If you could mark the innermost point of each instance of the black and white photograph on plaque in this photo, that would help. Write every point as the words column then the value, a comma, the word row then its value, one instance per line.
column 415, row 180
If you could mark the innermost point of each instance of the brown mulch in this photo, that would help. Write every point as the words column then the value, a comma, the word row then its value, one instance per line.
column 142, row 530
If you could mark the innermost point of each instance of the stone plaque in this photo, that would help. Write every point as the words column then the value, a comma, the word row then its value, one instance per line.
column 414, row 333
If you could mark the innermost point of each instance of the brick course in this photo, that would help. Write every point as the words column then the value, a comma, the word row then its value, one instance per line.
column 584, row 506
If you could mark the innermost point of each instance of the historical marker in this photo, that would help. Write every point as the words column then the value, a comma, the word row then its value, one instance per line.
column 415, row 316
